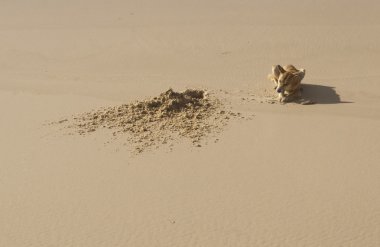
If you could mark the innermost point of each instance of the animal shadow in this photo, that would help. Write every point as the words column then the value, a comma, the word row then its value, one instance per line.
column 321, row 94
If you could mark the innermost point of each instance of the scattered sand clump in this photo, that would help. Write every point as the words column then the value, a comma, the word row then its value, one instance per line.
column 193, row 114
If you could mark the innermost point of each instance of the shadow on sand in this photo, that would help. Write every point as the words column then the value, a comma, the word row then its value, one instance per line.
column 321, row 94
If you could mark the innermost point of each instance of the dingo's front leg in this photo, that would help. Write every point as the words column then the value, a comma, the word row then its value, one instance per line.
column 282, row 97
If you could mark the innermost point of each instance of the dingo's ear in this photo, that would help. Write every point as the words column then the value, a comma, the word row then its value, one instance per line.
column 281, row 69
column 277, row 70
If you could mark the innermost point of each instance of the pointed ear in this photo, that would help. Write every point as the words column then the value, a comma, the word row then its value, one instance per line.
column 281, row 69
column 276, row 70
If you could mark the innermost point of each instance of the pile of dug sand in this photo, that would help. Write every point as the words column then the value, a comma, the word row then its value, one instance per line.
column 192, row 114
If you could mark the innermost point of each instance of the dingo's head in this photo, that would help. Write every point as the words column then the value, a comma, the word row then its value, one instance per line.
column 289, row 79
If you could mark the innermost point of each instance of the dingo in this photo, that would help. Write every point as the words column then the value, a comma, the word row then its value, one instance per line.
column 288, row 81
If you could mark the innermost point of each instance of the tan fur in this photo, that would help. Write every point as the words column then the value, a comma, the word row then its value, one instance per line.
column 288, row 81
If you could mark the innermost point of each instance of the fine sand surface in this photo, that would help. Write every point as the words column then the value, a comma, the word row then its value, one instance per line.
column 292, row 175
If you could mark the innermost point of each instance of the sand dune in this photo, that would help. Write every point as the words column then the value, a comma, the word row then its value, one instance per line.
column 292, row 175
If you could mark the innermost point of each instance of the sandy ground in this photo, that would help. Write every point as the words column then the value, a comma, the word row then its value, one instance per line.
column 292, row 176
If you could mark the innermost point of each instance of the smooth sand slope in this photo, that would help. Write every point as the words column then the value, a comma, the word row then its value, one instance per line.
column 293, row 175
